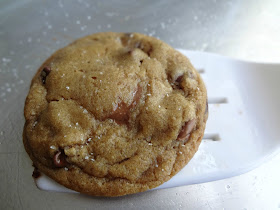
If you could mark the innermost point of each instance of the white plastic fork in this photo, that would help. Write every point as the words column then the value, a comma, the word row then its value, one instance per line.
column 242, row 131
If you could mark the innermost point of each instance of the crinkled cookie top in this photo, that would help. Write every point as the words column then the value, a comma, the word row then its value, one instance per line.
column 114, row 114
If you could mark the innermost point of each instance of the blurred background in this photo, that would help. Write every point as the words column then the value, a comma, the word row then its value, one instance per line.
column 30, row 31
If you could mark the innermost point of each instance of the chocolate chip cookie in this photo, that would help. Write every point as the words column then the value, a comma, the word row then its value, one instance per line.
column 114, row 114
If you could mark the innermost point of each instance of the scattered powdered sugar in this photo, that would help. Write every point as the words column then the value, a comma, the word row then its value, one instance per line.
column 152, row 33
column 35, row 123
column 83, row 27
column 86, row 157
column 6, row 60
column 111, row 14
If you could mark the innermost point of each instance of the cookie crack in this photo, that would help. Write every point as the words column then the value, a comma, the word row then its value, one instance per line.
column 109, row 178
column 126, row 159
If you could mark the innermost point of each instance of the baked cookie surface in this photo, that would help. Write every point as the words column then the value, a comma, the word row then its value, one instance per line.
column 114, row 114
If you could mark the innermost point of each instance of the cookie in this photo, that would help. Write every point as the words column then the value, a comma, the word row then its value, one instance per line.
column 114, row 114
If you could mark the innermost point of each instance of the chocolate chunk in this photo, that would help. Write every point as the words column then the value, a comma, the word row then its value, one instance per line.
column 206, row 109
column 132, row 44
column 44, row 73
column 59, row 159
column 177, row 83
column 145, row 47
column 186, row 129
column 121, row 112
column 125, row 39
column 36, row 173
column 179, row 79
